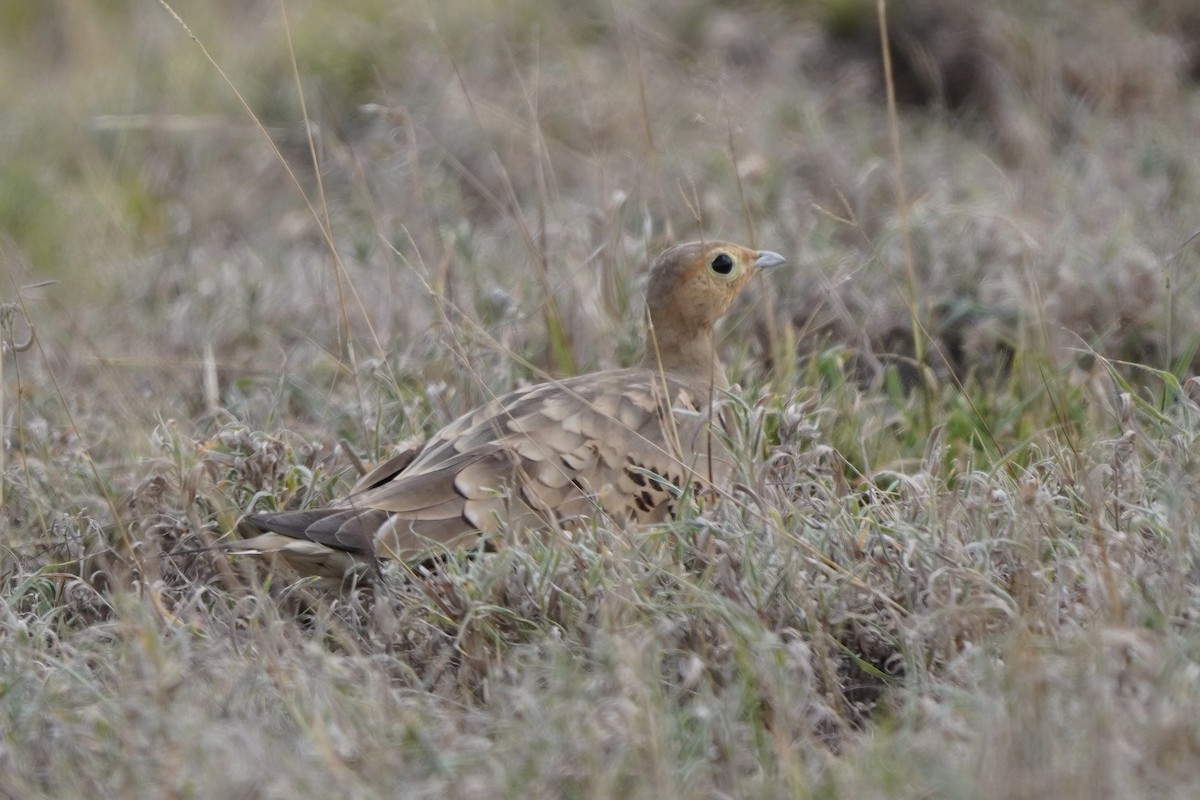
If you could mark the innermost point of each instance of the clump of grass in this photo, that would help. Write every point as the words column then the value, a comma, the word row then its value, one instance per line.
column 743, row 648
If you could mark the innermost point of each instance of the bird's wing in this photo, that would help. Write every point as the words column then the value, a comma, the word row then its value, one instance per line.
column 388, row 469
column 624, row 443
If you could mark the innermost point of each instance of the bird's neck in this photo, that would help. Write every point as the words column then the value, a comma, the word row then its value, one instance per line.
column 688, row 356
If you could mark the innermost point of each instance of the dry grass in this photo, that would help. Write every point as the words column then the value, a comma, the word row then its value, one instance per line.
column 956, row 563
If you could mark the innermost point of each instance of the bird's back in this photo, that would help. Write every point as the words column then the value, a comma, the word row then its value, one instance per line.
column 625, row 443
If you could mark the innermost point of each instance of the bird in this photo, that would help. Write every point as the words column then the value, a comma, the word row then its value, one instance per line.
column 628, row 444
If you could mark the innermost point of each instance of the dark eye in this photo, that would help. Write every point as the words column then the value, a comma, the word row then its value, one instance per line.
column 722, row 264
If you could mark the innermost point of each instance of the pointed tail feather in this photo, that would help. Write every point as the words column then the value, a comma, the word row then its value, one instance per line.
column 280, row 535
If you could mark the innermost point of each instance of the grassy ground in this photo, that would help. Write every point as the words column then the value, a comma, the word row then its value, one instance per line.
column 962, row 555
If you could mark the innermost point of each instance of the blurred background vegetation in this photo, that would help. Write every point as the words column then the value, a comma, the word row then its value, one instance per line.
column 518, row 160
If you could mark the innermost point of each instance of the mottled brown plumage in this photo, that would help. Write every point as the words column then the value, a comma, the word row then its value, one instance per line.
column 624, row 443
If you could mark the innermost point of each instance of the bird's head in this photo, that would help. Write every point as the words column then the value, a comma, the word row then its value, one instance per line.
column 691, row 286
column 694, row 284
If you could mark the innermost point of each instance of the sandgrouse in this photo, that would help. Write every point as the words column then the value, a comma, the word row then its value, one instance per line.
column 625, row 443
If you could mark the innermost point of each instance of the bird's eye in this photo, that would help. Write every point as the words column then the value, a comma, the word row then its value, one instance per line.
column 722, row 264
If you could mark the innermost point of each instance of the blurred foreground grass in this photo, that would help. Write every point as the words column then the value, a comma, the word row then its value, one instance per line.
column 966, row 568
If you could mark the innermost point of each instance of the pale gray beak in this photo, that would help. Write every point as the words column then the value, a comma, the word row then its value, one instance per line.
column 765, row 259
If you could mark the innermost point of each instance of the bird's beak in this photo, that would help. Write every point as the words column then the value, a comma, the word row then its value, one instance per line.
column 765, row 259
